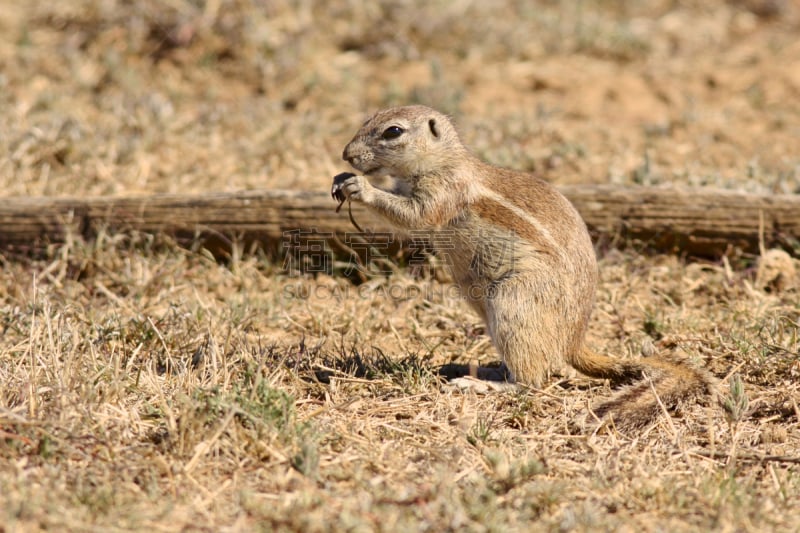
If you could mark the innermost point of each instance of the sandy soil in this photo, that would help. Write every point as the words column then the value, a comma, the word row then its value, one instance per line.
column 119, row 98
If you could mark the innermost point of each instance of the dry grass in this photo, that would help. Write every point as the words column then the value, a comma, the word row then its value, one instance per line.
column 145, row 386
column 148, row 387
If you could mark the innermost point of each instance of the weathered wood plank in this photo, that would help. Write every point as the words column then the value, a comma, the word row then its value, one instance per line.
column 700, row 222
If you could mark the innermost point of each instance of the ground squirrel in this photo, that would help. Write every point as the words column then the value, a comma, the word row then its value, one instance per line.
column 518, row 250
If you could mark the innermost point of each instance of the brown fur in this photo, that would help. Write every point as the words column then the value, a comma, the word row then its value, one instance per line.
column 518, row 250
column 495, row 213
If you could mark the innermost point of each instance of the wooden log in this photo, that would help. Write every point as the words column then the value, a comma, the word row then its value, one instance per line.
column 698, row 222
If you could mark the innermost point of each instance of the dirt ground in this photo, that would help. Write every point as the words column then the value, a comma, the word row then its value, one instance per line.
column 144, row 385
column 120, row 97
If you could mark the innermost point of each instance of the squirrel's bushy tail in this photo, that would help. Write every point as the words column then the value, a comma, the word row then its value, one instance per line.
column 647, row 381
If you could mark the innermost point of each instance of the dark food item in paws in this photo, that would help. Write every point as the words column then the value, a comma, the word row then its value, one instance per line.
column 336, row 189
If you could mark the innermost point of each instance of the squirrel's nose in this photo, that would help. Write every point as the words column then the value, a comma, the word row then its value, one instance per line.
column 348, row 155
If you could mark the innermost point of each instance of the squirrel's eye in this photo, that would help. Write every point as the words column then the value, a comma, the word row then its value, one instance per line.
column 392, row 132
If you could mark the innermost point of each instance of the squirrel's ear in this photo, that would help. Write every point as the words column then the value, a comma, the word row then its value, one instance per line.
column 434, row 129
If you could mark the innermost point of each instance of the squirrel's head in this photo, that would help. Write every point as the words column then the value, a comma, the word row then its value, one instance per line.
column 405, row 142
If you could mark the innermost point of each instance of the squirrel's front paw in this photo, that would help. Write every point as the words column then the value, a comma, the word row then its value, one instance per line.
column 348, row 186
